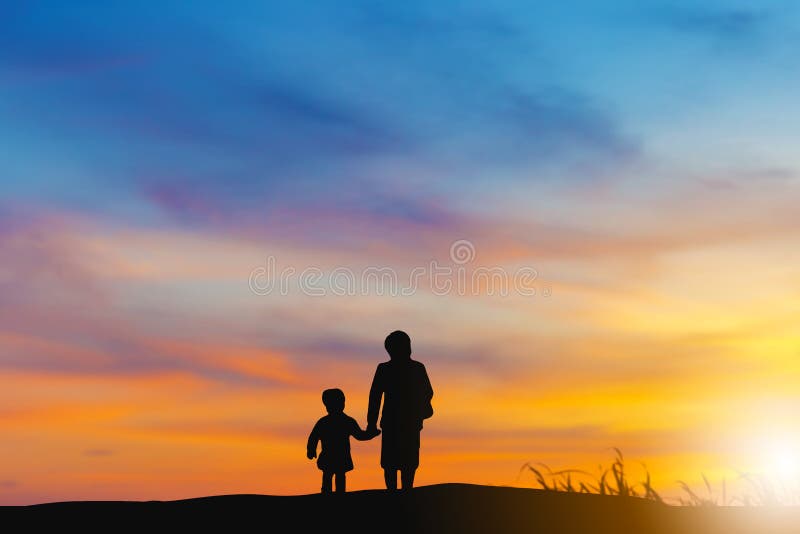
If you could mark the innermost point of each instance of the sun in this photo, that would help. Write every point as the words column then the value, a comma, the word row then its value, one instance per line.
column 783, row 461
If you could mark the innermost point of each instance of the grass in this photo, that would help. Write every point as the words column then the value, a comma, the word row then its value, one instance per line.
column 612, row 480
column 616, row 480
column 758, row 491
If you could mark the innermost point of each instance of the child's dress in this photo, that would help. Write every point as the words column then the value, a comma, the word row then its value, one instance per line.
column 334, row 430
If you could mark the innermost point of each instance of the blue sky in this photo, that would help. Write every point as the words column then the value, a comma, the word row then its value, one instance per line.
column 183, row 111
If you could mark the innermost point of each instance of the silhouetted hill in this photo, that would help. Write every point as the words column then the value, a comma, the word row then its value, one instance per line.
column 441, row 509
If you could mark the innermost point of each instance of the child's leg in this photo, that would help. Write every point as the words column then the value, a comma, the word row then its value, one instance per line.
column 390, row 477
column 341, row 482
column 327, row 478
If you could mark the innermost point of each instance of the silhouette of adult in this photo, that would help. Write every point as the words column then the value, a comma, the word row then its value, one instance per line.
column 406, row 391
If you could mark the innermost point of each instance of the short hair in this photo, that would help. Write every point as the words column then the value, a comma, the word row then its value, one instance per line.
column 395, row 340
column 333, row 398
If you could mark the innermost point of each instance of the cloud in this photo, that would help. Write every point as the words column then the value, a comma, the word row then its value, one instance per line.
column 98, row 353
column 531, row 438
column 59, row 314
column 733, row 25
column 98, row 453
column 43, row 266
column 34, row 46
column 551, row 126
column 221, row 126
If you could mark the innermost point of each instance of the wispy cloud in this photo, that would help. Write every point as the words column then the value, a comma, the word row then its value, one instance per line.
column 98, row 453
column 734, row 24
column 206, row 132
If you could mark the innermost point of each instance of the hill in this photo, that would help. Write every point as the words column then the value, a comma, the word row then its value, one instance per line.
column 441, row 509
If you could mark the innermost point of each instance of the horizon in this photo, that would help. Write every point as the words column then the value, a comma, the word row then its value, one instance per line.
column 584, row 216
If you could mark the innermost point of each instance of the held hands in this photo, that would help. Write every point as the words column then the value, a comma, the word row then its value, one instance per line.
column 372, row 431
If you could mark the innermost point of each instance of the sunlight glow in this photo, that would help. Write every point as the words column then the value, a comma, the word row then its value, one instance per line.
column 783, row 461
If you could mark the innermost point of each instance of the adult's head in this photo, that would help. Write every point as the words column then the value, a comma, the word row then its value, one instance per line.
column 398, row 345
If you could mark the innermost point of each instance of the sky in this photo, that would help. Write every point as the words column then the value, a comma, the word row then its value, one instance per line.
column 627, row 169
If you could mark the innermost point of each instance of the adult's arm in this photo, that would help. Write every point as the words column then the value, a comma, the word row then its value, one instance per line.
column 375, row 395
column 425, row 393
column 427, row 389
column 313, row 440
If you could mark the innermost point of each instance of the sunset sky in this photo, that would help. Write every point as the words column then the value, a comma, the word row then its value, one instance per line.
column 639, row 157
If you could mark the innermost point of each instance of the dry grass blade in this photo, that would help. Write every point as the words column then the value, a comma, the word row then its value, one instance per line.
column 611, row 481
column 614, row 480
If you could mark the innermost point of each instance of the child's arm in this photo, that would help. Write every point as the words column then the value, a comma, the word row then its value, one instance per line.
column 313, row 439
column 362, row 435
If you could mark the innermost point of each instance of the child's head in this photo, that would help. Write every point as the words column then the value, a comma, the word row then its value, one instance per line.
column 333, row 399
column 398, row 345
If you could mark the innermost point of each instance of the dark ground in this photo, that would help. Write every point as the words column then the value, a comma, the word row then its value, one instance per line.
column 441, row 509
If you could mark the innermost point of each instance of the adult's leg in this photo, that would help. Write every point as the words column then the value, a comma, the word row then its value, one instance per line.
column 389, row 456
column 407, row 478
column 390, row 477
column 409, row 456
column 327, row 478
column 341, row 482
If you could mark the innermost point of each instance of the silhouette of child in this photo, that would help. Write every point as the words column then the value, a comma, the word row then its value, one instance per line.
column 334, row 430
